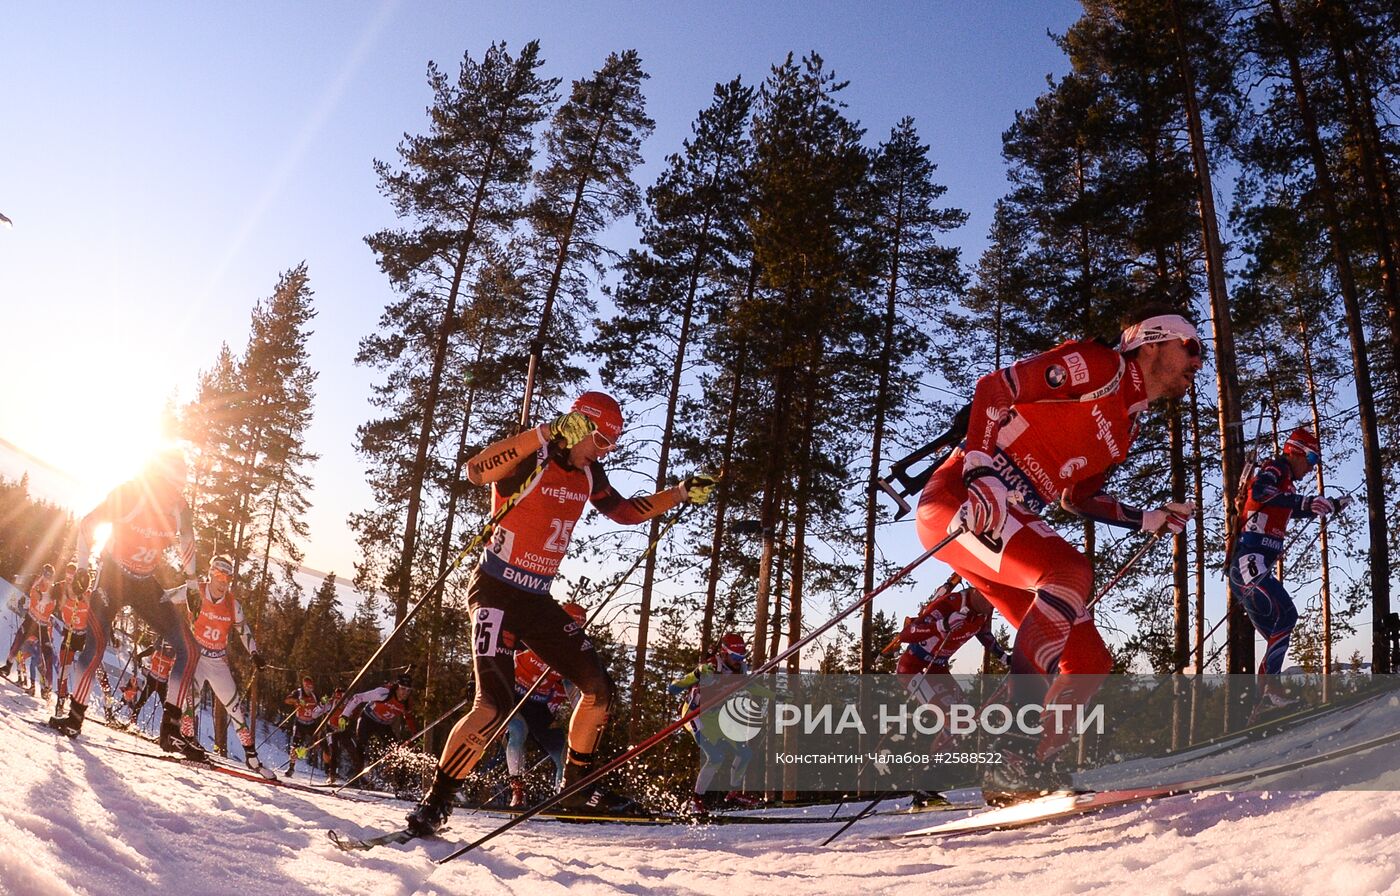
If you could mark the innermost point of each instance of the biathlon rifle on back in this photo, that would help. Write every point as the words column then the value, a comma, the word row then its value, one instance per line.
column 900, row 483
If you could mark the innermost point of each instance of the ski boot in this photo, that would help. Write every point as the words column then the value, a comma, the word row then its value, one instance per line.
column 177, row 734
column 5, row 669
column 928, row 799
column 1022, row 776
column 432, row 813
column 696, row 807
column 72, row 723
column 251, row 760
column 590, row 799
column 738, row 799
column 517, row 792
column 1273, row 700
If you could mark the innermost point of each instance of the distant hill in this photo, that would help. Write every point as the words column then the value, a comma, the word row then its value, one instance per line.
column 45, row 480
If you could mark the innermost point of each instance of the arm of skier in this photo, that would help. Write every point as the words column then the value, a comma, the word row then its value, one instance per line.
column 629, row 511
column 685, row 682
column 989, row 641
column 1088, row 500
column 87, row 526
column 498, row 459
column 245, row 634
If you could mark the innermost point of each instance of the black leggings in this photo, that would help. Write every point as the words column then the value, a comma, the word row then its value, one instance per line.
column 504, row 620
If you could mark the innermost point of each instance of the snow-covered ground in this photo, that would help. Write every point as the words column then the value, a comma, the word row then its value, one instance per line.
column 80, row 817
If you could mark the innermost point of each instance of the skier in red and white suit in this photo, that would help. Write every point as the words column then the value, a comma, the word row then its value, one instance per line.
column 942, row 626
column 1050, row 428
column 509, row 591
column 220, row 616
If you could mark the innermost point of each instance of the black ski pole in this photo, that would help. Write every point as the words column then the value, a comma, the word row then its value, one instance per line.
column 870, row 807
column 277, row 727
column 1126, row 567
column 721, row 694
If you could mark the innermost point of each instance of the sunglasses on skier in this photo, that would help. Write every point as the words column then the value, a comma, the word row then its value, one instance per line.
column 602, row 442
column 1312, row 458
column 1193, row 347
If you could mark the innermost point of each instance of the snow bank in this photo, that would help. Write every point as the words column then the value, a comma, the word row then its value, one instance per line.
column 84, row 819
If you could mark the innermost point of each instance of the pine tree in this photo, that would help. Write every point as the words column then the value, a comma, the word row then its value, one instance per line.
column 593, row 144
column 803, row 323
column 918, row 275
column 1276, row 43
column 315, row 651
column 279, row 383
column 457, row 185
column 691, row 234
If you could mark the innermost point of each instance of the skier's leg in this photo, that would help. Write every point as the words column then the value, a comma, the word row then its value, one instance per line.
column 743, row 755
column 1269, row 607
column 493, row 661
column 516, row 732
column 16, row 644
column 539, row 722
column 107, row 600
column 714, row 755
column 562, row 644
column 493, row 610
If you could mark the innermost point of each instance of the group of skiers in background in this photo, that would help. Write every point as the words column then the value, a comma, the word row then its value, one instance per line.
column 194, row 625
column 1046, row 430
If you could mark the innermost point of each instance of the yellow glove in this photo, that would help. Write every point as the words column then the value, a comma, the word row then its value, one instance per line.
column 571, row 428
column 697, row 487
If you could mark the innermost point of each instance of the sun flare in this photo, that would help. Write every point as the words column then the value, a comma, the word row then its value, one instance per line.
column 94, row 419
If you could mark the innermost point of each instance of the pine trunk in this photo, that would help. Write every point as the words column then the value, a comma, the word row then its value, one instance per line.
column 777, row 456
column 1181, row 609
column 1305, row 341
column 556, row 276
column 445, row 549
column 722, row 501
column 1240, row 631
column 663, row 461
column 877, row 441
column 1361, row 365
column 418, row 474
column 1199, row 522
